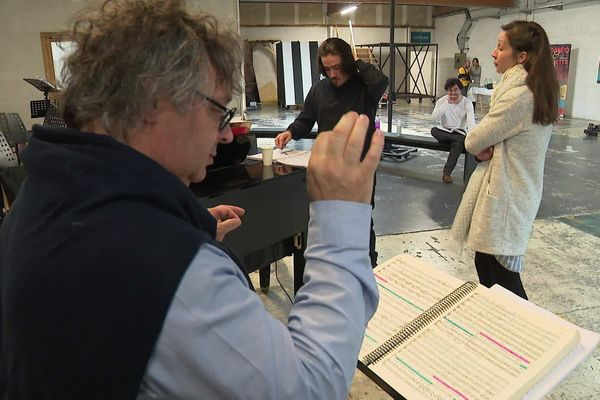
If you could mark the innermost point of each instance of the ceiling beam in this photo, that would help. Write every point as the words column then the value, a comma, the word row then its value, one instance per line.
column 450, row 3
column 440, row 11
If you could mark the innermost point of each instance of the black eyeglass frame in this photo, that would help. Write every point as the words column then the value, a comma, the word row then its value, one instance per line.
column 228, row 113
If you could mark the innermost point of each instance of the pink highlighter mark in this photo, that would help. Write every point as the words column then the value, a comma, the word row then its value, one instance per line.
column 380, row 278
column 450, row 388
column 526, row 361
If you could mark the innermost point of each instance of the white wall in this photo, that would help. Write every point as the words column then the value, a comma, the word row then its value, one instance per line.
column 581, row 28
column 319, row 33
column 444, row 35
column 20, row 49
column 304, row 33
column 577, row 25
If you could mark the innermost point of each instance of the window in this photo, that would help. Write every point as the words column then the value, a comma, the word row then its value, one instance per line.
column 55, row 48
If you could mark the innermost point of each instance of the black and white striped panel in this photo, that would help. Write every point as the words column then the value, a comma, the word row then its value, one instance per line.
column 297, row 70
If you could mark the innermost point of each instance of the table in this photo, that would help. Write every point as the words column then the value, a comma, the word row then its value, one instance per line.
column 276, row 219
column 426, row 142
column 475, row 94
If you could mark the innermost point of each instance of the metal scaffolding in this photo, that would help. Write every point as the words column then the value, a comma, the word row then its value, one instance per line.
column 413, row 84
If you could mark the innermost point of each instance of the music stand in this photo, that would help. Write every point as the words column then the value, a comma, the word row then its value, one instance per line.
column 39, row 107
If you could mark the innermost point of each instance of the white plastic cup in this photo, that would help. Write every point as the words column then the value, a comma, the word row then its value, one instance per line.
column 267, row 155
column 267, row 172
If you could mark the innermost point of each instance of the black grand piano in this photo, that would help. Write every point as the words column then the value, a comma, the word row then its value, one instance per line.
column 276, row 219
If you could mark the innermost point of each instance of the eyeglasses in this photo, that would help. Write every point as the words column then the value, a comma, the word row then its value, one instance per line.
column 228, row 113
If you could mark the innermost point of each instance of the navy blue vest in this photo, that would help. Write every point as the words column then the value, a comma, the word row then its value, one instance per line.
column 91, row 255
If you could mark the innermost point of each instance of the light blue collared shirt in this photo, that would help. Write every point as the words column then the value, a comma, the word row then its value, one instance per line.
column 219, row 342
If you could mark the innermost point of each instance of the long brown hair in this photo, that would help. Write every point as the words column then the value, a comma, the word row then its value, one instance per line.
column 337, row 46
column 530, row 37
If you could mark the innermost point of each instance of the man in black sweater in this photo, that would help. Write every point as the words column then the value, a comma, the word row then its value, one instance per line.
column 351, row 85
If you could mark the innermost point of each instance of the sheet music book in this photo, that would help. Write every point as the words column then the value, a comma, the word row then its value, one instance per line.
column 460, row 131
column 436, row 337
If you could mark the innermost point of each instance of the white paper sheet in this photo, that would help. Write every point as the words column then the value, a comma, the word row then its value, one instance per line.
column 296, row 158
column 588, row 341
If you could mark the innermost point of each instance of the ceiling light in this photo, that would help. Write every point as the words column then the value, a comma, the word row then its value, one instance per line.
column 348, row 9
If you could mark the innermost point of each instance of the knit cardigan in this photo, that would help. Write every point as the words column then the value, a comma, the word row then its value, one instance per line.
column 503, row 195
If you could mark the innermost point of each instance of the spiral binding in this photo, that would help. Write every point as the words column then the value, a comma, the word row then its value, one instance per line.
column 425, row 318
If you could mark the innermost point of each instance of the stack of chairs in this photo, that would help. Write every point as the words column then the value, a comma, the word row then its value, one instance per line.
column 54, row 118
column 13, row 135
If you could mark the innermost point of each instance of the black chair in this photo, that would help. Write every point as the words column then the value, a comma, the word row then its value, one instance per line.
column 13, row 129
column 11, row 175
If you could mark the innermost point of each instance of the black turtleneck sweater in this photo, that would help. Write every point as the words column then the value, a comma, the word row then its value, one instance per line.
column 325, row 103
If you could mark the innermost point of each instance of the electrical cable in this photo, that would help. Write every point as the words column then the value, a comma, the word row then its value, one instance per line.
column 280, row 284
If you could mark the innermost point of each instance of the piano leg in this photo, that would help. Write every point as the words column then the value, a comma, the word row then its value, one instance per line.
column 264, row 277
column 299, row 261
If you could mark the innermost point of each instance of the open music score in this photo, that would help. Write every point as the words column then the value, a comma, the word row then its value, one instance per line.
column 436, row 337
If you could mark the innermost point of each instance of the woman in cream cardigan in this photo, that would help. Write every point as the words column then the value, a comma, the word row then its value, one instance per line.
column 496, row 214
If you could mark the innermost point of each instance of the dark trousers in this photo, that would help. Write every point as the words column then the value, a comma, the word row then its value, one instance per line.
column 457, row 145
column 490, row 271
column 372, row 253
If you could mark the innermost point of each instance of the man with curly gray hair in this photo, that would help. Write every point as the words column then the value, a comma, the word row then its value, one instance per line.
column 113, row 280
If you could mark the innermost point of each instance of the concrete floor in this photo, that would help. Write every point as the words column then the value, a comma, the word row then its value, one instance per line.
column 414, row 209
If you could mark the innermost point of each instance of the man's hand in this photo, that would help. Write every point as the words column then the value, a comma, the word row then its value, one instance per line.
column 486, row 154
column 454, row 98
column 228, row 219
column 282, row 139
column 335, row 171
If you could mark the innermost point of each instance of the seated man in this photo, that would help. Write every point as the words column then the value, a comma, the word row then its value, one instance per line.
column 456, row 113
column 113, row 282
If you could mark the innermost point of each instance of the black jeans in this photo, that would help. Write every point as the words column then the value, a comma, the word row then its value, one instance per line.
column 457, row 145
column 490, row 271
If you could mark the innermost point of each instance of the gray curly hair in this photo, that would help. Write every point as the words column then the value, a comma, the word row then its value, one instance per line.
column 130, row 52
